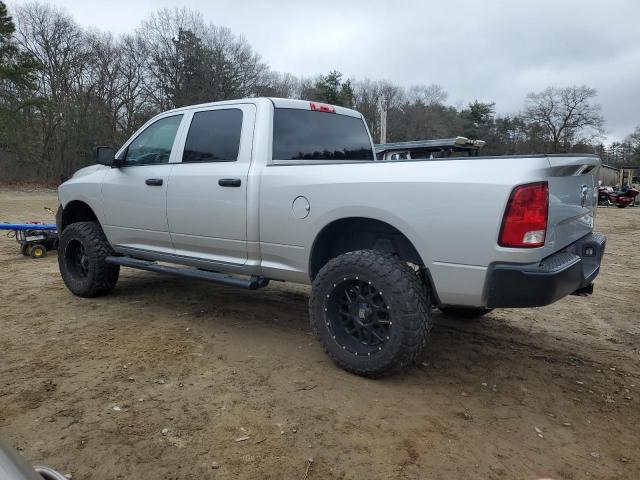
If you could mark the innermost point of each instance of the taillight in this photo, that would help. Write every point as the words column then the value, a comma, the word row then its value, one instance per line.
column 322, row 107
column 524, row 224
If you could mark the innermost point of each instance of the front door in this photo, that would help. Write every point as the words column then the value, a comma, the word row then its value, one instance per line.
column 207, row 193
column 135, row 194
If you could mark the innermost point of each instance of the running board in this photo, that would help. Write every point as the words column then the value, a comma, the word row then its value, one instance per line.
column 251, row 283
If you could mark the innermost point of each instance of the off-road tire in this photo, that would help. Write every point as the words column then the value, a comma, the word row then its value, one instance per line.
column 100, row 277
column 409, row 306
column 464, row 313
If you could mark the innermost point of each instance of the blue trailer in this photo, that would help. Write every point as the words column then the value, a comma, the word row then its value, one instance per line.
column 35, row 238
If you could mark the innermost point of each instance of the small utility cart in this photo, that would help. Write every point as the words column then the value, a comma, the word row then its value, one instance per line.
column 35, row 238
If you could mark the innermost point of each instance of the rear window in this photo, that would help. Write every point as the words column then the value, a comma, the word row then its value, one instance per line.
column 309, row 135
column 214, row 136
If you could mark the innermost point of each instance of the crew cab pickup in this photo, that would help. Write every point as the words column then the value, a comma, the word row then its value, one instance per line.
column 247, row 191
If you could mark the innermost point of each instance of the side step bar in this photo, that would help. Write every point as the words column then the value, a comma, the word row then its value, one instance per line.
column 251, row 283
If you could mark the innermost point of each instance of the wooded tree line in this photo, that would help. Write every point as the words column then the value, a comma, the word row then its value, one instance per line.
column 65, row 89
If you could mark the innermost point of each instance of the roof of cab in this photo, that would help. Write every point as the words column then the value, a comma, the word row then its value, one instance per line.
column 276, row 102
column 306, row 105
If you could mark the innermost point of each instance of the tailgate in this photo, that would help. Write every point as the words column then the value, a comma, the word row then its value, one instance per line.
column 573, row 199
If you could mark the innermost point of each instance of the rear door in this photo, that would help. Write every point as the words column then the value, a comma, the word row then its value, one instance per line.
column 207, row 193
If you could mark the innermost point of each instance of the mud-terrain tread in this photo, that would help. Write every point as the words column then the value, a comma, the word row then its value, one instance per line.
column 407, row 291
column 105, row 274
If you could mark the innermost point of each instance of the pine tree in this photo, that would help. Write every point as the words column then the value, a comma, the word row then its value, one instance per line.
column 18, row 72
column 331, row 89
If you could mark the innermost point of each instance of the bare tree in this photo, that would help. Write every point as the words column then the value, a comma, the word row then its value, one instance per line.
column 90, row 87
column 190, row 61
column 366, row 98
column 80, row 83
column 567, row 115
column 158, row 34
column 633, row 142
column 134, row 103
column 427, row 94
column 634, row 138
column 281, row 85
column 372, row 96
column 57, row 42
column 236, row 69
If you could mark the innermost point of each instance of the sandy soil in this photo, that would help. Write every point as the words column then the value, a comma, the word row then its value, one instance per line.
column 167, row 376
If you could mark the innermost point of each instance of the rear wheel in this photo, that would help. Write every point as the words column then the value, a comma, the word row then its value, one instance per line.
column 371, row 312
column 82, row 251
column 464, row 313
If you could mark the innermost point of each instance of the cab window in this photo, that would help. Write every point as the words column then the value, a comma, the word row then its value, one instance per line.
column 307, row 135
column 214, row 136
column 154, row 144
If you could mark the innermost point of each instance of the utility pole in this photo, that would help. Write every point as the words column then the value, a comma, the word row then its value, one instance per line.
column 383, row 120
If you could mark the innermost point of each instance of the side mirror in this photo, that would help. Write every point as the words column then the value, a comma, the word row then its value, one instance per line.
column 105, row 156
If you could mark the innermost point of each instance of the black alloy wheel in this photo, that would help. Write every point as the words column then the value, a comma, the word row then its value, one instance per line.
column 77, row 260
column 358, row 316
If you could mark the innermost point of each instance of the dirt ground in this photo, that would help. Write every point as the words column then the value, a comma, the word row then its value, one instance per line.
column 166, row 377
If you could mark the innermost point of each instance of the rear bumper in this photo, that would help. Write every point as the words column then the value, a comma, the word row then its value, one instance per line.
column 538, row 284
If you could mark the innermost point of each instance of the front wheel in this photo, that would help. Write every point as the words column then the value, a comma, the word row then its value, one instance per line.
column 82, row 251
column 371, row 312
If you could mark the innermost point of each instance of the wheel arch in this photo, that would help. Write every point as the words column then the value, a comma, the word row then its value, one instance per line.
column 359, row 233
column 73, row 212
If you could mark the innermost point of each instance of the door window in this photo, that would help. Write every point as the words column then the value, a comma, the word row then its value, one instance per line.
column 214, row 136
column 154, row 144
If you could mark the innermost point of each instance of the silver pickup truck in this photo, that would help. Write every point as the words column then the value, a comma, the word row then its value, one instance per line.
column 247, row 191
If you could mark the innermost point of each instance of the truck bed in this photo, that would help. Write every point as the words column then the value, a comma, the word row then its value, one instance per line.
column 450, row 209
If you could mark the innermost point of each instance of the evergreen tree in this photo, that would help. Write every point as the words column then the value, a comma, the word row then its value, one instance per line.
column 478, row 119
column 331, row 89
column 17, row 68
column 191, row 62
column 18, row 77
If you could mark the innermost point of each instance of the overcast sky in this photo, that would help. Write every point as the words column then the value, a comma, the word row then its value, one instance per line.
column 491, row 50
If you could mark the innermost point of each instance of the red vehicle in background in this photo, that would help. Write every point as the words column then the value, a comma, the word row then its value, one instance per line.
column 607, row 196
